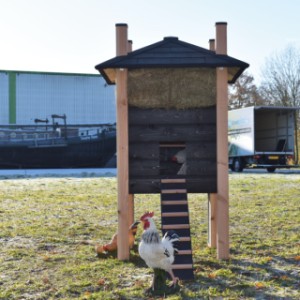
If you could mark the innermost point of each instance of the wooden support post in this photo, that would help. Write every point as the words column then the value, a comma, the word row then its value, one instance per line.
column 131, row 196
column 212, row 221
column 122, row 146
column 222, row 203
column 212, row 198
column 130, row 209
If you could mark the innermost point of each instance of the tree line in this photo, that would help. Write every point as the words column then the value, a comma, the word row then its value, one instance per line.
column 279, row 86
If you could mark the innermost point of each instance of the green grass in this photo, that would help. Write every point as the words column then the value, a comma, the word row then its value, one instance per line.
column 44, row 221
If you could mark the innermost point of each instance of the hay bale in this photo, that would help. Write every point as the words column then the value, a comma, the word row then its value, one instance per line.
column 179, row 88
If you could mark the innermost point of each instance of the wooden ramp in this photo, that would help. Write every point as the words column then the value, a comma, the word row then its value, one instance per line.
column 175, row 216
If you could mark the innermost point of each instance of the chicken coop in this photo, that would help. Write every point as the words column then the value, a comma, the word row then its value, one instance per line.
column 172, row 131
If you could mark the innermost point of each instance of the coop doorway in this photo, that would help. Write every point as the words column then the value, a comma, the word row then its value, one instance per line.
column 172, row 159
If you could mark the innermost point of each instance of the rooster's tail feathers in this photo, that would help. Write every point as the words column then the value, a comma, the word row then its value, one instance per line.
column 173, row 238
column 172, row 235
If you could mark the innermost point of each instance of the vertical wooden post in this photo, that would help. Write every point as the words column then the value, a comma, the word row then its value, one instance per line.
column 222, row 203
column 212, row 220
column 212, row 198
column 131, row 196
column 122, row 145
column 130, row 209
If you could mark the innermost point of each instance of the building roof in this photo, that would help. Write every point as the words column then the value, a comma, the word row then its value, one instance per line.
column 286, row 108
column 171, row 53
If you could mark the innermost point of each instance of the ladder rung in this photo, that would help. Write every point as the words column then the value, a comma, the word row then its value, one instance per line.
column 175, row 214
column 184, row 252
column 173, row 180
column 176, row 226
column 184, row 239
column 175, row 191
column 172, row 145
column 174, row 202
column 183, row 266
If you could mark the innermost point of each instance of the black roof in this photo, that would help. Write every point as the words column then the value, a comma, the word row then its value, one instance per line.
column 171, row 52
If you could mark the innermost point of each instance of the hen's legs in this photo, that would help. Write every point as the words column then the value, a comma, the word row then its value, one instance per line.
column 174, row 279
column 153, row 282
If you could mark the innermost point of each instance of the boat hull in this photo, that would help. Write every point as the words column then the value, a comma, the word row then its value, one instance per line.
column 74, row 153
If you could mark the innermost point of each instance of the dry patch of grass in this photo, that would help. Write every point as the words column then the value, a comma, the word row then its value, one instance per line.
column 43, row 223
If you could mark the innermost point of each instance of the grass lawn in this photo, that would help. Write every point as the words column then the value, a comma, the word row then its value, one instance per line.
column 45, row 221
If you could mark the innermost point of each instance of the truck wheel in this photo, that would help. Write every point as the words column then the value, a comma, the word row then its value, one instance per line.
column 271, row 169
column 237, row 165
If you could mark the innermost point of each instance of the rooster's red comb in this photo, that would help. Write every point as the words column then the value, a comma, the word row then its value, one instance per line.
column 147, row 215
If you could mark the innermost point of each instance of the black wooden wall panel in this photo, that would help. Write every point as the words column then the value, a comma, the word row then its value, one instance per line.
column 195, row 128
column 141, row 151
column 201, row 150
column 144, row 167
column 201, row 168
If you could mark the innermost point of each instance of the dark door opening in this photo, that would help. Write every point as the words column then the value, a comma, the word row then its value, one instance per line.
column 172, row 159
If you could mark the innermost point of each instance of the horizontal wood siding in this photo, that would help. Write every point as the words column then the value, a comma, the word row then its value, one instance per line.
column 172, row 133
column 138, row 116
column 141, row 151
column 151, row 185
column 138, row 167
column 195, row 129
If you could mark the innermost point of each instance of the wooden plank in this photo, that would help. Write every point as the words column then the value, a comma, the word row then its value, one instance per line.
column 122, row 147
column 212, row 220
column 172, row 145
column 173, row 133
column 176, row 226
column 151, row 185
column 144, row 186
column 175, row 214
column 130, row 209
column 222, row 210
column 175, row 191
column 194, row 169
column 185, row 239
column 185, row 252
column 144, row 151
column 173, row 180
column 201, row 150
column 202, row 185
column 203, row 167
column 182, row 266
column 170, row 202
column 172, row 116
column 139, row 167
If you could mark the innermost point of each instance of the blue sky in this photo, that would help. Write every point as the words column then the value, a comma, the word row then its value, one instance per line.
column 74, row 35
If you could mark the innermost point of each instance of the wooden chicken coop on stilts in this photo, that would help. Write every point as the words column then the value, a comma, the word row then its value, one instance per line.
column 172, row 100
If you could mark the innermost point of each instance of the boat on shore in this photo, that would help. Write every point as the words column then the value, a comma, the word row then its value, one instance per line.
column 56, row 145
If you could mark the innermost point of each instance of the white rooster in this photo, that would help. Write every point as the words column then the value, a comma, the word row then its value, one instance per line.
column 156, row 252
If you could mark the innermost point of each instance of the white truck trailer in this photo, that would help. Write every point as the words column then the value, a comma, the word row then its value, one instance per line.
column 262, row 137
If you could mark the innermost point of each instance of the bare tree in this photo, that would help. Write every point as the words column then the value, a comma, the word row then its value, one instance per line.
column 281, row 78
column 244, row 92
